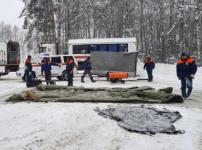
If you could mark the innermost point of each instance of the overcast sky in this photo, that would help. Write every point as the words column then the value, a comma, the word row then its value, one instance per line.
column 10, row 11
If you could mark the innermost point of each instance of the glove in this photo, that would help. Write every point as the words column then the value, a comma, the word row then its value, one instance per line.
column 192, row 76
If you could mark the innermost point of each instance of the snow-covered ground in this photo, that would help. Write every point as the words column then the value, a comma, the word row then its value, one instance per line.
column 75, row 126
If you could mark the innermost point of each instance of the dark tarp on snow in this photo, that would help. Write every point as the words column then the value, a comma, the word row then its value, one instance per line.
column 142, row 119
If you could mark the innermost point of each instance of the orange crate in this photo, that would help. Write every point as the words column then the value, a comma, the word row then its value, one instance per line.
column 117, row 75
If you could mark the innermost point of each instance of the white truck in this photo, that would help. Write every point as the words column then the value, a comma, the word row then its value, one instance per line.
column 9, row 57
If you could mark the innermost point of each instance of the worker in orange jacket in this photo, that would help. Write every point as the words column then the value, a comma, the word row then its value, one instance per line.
column 149, row 66
column 186, row 70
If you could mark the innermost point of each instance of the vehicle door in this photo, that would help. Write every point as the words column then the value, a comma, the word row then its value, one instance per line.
column 55, row 69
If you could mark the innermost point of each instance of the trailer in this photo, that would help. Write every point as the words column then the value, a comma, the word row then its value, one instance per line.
column 9, row 57
column 105, row 62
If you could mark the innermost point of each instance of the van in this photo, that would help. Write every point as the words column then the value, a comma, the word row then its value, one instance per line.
column 57, row 71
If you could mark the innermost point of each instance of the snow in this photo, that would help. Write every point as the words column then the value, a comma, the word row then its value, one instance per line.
column 76, row 126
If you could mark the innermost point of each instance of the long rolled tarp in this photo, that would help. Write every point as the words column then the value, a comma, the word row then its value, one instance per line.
column 105, row 95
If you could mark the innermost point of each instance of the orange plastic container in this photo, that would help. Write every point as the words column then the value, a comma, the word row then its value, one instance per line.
column 117, row 75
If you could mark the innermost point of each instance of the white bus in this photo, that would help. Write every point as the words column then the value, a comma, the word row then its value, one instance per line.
column 82, row 48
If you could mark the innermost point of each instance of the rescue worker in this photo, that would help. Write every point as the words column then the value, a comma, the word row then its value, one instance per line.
column 28, row 72
column 70, row 70
column 186, row 70
column 87, row 70
column 149, row 65
column 46, row 68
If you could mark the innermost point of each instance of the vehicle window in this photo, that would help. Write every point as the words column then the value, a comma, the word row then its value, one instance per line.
column 43, row 60
column 56, row 59
column 123, row 48
column 113, row 48
column 81, row 49
column 103, row 47
column 110, row 47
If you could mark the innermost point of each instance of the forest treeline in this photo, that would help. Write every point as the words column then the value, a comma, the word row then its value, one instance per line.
column 163, row 28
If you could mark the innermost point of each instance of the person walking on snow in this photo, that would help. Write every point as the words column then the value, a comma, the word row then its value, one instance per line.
column 186, row 70
column 87, row 70
column 70, row 70
column 149, row 66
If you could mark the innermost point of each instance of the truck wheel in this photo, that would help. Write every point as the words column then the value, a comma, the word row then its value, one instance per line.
column 33, row 75
column 64, row 75
column 113, row 80
column 59, row 78
column 122, row 81
column 23, row 78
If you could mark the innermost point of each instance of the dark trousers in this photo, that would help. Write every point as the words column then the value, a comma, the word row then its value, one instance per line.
column 89, row 74
column 186, row 87
column 48, row 77
column 28, row 77
column 150, row 74
column 70, row 78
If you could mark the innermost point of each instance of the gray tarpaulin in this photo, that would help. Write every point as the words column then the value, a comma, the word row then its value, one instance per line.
column 142, row 119
column 103, row 62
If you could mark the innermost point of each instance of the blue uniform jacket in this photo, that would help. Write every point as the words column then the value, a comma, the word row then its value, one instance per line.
column 46, row 67
column 185, row 68
column 87, row 65
column 149, row 65
column 28, row 66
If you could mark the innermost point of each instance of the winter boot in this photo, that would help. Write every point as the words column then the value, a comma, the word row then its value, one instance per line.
column 92, row 80
column 82, row 79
